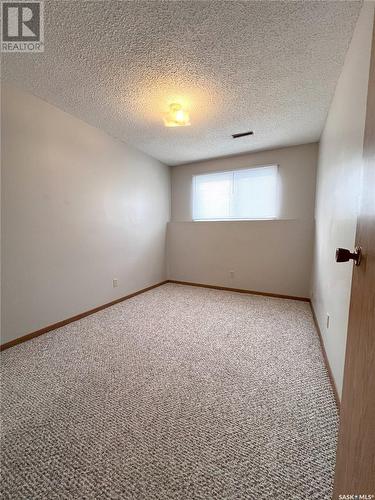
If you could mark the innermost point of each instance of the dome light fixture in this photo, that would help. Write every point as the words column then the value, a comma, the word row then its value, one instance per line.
column 176, row 116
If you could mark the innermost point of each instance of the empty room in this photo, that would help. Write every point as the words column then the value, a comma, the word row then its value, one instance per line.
column 187, row 250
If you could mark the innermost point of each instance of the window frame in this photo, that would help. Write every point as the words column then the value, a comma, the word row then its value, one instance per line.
column 227, row 171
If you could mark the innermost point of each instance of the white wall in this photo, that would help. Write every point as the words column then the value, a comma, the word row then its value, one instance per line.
column 266, row 256
column 79, row 209
column 337, row 196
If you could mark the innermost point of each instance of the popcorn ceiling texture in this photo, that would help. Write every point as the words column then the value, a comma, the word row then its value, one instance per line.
column 268, row 66
column 179, row 393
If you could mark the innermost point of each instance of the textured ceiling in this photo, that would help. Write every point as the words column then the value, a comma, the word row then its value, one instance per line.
column 268, row 66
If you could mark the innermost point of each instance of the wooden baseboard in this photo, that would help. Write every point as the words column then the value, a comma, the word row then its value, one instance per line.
column 64, row 322
column 325, row 357
column 240, row 290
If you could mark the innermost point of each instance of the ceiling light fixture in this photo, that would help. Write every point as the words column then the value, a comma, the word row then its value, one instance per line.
column 176, row 116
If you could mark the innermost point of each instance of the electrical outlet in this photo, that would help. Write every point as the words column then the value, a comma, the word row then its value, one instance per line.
column 231, row 274
column 327, row 321
column 115, row 282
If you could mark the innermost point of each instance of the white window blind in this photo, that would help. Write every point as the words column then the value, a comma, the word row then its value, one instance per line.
column 239, row 194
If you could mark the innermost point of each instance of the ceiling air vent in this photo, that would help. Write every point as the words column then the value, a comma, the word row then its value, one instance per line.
column 242, row 134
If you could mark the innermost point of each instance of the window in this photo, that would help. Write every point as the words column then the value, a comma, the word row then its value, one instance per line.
column 240, row 194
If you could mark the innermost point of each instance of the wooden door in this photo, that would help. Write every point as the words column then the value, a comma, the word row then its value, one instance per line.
column 355, row 464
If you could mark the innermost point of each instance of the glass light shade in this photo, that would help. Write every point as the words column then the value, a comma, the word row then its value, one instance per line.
column 176, row 116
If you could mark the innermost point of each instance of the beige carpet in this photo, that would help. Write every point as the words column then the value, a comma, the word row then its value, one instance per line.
column 178, row 393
